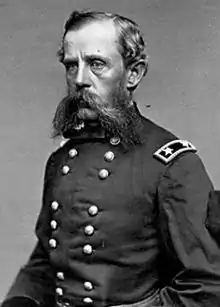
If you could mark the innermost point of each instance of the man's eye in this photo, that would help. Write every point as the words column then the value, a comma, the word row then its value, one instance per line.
column 97, row 65
column 71, row 67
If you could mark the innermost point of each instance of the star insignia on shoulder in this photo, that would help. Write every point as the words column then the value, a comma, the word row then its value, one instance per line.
column 172, row 149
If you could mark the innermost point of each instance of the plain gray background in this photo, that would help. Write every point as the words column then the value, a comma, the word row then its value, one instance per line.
column 182, row 87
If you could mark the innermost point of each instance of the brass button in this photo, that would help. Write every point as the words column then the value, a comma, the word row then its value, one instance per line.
column 53, row 243
column 103, row 173
column 65, row 169
column 87, row 249
column 93, row 210
column 115, row 141
column 54, row 205
column 87, row 300
column 88, row 285
column 60, row 275
column 59, row 291
column 53, row 224
column 109, row 156
column 89, row 230
column 73, row 152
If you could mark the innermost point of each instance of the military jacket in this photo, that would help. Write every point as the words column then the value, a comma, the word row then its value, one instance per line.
column 115, row 225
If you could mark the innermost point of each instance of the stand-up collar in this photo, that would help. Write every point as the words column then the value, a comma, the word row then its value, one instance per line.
column 88, row 132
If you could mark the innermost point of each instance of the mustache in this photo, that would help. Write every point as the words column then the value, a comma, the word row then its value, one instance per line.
column 67, row 112
column 85, row 99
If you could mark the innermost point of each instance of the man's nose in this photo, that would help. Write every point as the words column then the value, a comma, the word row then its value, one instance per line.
column 82, row 80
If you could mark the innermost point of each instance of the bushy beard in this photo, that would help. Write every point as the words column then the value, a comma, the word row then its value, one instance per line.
column 121, row 119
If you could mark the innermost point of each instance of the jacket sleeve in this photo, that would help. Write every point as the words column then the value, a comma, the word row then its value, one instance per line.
column 184, row 197
column 34, row 282
column 213, row 216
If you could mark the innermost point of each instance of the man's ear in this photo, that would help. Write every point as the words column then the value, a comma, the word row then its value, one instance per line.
column 135, row 73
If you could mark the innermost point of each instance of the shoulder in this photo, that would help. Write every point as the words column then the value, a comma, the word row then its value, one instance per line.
column 57, row 155
column 164, row 146
column 182, row 166
column 155, row 136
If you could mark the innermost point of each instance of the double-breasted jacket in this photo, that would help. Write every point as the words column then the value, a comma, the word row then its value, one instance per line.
column 116, row 225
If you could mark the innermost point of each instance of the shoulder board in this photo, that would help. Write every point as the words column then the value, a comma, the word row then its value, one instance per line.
column 169, row 151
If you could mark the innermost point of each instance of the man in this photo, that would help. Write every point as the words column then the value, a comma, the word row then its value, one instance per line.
column 125, row 202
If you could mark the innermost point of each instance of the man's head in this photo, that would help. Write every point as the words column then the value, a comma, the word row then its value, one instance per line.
column 104, row 57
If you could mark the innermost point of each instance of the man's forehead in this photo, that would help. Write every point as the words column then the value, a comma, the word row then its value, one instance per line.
column 98, row 35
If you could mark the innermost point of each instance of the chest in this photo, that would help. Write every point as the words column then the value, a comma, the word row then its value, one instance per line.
column 120, row 184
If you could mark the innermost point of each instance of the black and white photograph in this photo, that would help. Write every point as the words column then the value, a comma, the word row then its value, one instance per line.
column 110, row 173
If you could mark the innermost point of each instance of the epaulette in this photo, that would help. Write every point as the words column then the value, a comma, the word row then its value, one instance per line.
column 172, row 149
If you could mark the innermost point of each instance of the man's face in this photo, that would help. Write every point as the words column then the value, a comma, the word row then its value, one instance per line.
column 97, row 84
column 92, row 60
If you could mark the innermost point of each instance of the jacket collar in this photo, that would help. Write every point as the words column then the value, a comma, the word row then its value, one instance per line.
column 89, row 132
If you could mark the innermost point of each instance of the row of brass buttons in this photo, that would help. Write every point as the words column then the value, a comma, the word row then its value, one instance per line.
column 93, row 211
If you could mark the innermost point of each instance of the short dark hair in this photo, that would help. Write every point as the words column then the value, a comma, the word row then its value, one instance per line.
column 131, row 41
